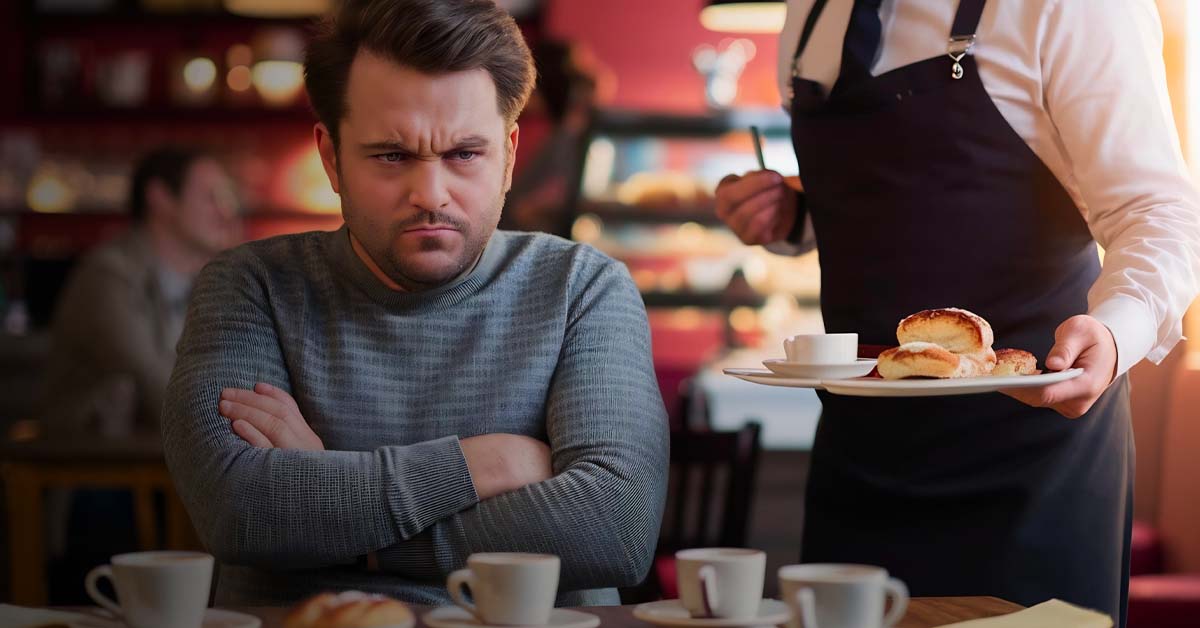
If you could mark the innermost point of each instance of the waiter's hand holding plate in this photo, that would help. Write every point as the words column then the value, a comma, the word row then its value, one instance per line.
column 1079, row 342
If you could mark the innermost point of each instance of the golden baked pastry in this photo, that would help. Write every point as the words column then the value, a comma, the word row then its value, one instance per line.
column 976, row 364
column 956, row 330
column 917, row 359
column 1015, row 362
column 350, row 609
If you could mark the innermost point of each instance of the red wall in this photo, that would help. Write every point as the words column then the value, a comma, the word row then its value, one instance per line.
column 647, row 45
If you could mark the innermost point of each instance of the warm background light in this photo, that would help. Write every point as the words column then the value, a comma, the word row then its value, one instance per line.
column 49, row 193
column 199, row 74
column 744, row 17
column 278, row 82
column 277, row 8
column 238, row 79
column 305, row 184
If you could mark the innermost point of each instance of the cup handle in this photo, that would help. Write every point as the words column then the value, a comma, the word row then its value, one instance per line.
column 806, row 603
column 89, row 583
column 708, row 590
column 899, row 595
column 455, row 584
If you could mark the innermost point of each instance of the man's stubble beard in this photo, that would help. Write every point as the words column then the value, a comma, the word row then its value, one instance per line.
column 475, row 238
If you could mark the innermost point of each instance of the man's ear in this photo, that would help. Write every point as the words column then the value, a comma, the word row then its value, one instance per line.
column 513, row 136
column 328, row 154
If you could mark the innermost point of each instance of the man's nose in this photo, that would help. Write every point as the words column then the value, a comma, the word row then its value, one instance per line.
column 428, row 186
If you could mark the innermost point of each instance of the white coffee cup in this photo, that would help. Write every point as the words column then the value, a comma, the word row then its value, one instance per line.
column 509, row 589
column 722, row 582
column 822, row 348
column 156, row 589
column 826, row 595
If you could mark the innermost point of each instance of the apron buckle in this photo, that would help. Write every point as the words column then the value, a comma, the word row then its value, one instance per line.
column 959, row 46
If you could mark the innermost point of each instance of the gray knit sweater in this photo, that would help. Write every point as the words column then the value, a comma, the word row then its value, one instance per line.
column 545, row 338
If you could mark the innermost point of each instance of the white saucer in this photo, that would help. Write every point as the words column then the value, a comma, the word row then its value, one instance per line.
column 213, row 618
column 821, row 371
column 455, row 617
column 672, row 613
column 768, row 378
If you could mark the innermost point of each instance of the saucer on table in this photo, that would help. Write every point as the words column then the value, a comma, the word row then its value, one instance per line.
column 456, row 617
column 672, row 613
column 213, row 618
column 858, row 368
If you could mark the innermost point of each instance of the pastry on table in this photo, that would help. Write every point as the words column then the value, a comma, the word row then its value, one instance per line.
column 350, row 609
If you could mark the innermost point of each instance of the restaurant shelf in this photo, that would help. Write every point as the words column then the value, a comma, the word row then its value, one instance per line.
column 612, row 211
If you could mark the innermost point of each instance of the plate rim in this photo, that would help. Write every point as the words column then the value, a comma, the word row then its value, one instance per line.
column 1051, row 377
column 945, row 387
column 856, row 362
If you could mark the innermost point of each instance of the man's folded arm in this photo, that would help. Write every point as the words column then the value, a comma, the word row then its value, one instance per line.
column 601, row 510
column 275, row 507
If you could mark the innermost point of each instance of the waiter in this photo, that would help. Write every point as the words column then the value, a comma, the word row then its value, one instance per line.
column 965, row 153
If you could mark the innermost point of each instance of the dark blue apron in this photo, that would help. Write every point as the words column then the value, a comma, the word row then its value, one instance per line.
column 921, row 195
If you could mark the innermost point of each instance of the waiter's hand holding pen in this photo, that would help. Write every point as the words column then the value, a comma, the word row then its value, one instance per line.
column 760, row 206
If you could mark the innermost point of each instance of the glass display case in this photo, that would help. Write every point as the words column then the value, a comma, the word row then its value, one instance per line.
column 645, row 196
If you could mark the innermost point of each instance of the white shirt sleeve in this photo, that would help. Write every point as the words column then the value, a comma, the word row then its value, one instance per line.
column 1105, row 90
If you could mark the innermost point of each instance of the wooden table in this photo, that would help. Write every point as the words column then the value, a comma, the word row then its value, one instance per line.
column 29, row 468
column 924, row 612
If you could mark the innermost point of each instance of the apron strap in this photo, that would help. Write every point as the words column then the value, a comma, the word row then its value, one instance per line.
column 809, row 25
column 967, row 18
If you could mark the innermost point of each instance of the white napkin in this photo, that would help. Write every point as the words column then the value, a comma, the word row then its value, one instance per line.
column 21, row 617
column 1052, row 614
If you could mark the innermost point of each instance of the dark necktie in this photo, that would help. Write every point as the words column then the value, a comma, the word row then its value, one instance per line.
column 862, row 40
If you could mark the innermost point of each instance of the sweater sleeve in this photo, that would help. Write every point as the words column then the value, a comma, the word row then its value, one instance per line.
column 284, row 508
column 601, row 511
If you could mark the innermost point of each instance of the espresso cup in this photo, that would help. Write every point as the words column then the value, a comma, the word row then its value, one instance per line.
column 156, row 589
column 822, row 348
column 509, row 589
column 720, row 582
column 825, row 595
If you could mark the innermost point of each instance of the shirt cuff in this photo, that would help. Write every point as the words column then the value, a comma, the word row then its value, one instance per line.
column 425, row 482
column 1132, row 327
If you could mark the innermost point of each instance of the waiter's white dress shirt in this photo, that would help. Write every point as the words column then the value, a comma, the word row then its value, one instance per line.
column 1083, row 83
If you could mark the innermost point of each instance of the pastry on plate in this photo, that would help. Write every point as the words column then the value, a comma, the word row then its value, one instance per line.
column 1015, row 362
column 956, row 330
column 928, row 359
column 350, row 609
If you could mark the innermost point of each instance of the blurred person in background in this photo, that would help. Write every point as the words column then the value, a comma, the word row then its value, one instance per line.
column 121, row 312
column 113, row 339
column 565, row 95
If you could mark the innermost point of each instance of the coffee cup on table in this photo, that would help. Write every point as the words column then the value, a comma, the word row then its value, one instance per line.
column 822, row 348
column 509, row 589
column 156, row 589
column 720, row 582
column 826, row 595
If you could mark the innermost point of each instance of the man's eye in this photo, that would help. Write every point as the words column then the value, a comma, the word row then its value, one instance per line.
column 392, row 157
column 464, row 155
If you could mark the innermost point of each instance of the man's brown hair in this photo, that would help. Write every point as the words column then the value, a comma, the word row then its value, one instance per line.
column 430, row 36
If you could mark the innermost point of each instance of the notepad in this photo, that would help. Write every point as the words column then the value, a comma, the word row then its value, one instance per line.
column 1052, row 614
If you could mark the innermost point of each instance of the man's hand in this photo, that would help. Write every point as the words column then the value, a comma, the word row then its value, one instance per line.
column 1080, row 342
column 759, row 207
column 268, row 417
column 500, row 463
